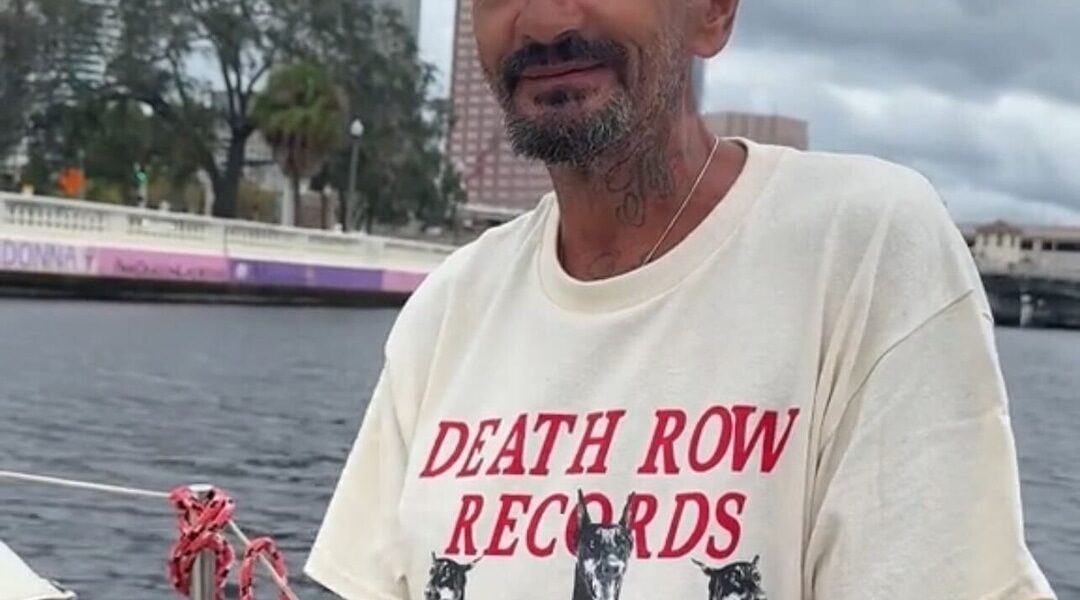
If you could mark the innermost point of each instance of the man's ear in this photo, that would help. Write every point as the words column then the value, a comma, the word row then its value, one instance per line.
column 711, row 25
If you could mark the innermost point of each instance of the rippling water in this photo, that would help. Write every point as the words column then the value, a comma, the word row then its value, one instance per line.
column 265, row 402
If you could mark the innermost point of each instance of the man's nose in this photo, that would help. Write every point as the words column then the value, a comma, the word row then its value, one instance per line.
column 544, row 21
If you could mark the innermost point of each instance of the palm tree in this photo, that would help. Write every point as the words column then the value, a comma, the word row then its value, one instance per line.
column 302, row 114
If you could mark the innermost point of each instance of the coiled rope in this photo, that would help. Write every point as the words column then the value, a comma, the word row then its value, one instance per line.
column 200, row 523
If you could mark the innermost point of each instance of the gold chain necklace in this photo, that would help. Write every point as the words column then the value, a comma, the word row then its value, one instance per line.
column 686, row 202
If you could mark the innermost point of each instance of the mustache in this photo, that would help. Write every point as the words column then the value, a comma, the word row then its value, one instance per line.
column 570, row 47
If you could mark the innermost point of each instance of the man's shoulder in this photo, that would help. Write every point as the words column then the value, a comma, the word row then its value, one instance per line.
column 470, row 274
column 856, row 197
column 857, row 182
column 482, row 261
column 874, row 223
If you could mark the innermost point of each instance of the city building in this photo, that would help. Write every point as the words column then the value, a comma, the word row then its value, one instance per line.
column 499, row 184
column 1002, row 247
column 764, row 129
column 93, row 53
column 82, row 54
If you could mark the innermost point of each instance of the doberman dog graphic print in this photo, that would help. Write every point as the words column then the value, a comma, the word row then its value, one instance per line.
column 603, row 554
column 738, row 581
column 447, row 579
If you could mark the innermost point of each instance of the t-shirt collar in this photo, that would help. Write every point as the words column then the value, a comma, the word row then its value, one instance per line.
column 667, row 271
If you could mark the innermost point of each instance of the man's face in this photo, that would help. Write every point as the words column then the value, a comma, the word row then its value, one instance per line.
column 576, row 77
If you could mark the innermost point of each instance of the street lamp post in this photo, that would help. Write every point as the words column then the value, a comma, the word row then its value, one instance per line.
column 82, row 171
column 455, row 216
column 356, row 131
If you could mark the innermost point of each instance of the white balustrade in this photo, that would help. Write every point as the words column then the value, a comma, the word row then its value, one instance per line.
column 81, row 222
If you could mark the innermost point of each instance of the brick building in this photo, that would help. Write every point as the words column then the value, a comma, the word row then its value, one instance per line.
column 499, row 184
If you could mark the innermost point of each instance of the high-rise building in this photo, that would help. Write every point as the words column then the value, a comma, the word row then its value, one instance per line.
column 496, row 180
column 80, row 49
column 764, row 129
column 102, row 42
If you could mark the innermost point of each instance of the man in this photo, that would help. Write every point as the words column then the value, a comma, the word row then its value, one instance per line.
column 701, row 369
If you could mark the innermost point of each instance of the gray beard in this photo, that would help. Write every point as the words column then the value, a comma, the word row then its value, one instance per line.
column 577, row 143
column 586, row 144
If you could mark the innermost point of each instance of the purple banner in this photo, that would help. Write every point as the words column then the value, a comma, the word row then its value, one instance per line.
column 47, row 257
column 161, row 266
column 400, row 281
column 342, row 278
column 257, row 272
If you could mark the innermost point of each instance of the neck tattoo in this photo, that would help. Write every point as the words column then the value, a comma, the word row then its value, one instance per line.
column 682, row 207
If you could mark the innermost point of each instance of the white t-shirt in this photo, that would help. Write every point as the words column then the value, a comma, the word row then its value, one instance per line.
column 802, row 400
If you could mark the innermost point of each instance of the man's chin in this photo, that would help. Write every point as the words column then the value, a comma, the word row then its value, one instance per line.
column 562, row 141
column 557, row 121
column 564, row 105
column 575, row 133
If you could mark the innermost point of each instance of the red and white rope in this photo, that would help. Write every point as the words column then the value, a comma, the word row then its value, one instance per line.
column 200, row 524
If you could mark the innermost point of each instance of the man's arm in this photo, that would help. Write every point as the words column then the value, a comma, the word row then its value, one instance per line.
column 357, row 553
column 917, row 492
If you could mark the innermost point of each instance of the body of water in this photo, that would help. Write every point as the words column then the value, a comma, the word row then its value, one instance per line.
column 265, row 402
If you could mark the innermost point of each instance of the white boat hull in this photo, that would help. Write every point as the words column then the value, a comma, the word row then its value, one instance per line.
column 19, row 582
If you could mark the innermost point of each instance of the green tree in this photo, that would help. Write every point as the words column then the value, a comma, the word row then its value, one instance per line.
column 18, row 48
column 373, row 57
column 107, row 138
column 57, row 135
column 302, row 116
column 46, row 51
column 198, row 66
column 235, row 41
column 71, row 51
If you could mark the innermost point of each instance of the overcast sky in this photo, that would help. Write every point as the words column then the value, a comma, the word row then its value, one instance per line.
column 983, row 96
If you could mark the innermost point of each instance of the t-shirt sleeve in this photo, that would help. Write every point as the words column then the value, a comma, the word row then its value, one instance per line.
column 357, row 552
column 917, row 491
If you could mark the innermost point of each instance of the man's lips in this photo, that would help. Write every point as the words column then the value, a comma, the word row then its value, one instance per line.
column 553, row 71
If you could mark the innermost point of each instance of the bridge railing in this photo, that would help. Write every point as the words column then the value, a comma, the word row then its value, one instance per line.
column 1047, row 267
column 92, row 223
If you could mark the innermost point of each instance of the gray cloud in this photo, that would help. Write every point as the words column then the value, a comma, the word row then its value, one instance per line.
column 981, row 95
column 977, row 47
